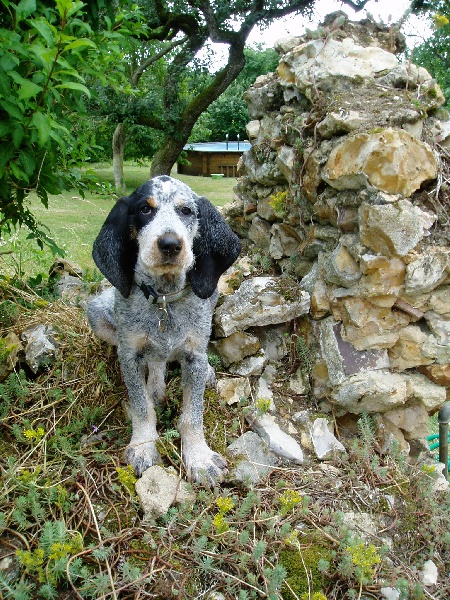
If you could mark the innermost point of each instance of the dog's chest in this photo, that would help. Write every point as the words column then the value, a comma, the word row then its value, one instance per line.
column 164, row 331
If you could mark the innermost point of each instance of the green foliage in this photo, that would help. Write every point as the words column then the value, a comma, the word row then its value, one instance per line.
column 440, row 21
column 278, row 203
column 14, row 390
column 305, row 353
column 289, row 500
column 47, row 55
column 5, row 349
column 228, row 114
column 215, row 361
column 288, row 287
column 263, row 405
column 127, row 478
column 220, row 523
column 34, row 435
column 224, row 505
column 22, row 590
column 358, row 563
column 76, row 530
column 47, row 563
column 433, row 53
column 364, row 558
column 366, row 428
column 262, row 262
column 302, row 567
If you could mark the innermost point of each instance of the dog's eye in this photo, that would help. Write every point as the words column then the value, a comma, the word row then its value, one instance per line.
column 145, row 209
column 186, row 210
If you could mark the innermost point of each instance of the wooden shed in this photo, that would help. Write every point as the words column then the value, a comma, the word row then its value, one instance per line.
column 208, row 158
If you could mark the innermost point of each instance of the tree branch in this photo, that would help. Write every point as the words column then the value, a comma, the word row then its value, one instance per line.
column 357, row 6
column 152, row 59
column 235, row 64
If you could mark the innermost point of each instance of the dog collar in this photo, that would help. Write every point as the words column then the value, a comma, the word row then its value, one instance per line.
column 163, row 299
column 154, row 298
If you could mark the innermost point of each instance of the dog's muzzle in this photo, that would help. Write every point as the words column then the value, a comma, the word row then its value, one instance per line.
column 170, row 245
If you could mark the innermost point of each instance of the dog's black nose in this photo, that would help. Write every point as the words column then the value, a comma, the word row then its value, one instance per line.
column 169, row 244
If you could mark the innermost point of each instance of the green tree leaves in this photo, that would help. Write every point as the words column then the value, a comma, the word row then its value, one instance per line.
column 48, row 53
column 434, row 53
column 25, row 8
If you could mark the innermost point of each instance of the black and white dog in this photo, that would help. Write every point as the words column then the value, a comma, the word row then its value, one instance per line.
column 163, row 248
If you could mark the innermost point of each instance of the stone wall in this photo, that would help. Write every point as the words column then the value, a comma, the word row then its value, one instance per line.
column 344, row 217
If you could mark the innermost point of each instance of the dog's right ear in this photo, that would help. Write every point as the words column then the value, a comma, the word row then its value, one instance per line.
column 115, row 249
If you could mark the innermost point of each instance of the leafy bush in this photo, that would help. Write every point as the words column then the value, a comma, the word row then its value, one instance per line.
column 47, row 55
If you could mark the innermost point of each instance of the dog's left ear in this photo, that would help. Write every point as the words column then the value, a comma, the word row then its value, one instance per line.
column 115, row 249
column 216, row 247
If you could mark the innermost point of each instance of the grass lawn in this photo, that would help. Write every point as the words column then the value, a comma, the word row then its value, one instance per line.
column 74, row 221
column 218, row 191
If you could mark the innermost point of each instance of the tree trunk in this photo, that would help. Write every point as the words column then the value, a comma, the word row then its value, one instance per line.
column 118, row 145
column 172, row 146
column 167, row 154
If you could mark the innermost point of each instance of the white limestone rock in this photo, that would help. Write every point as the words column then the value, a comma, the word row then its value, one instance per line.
column 255, row 460
column 341, row 268
column 390, row 593
column 342, row 358
column 324, row 442
column 72, row 290
column 251, row 366
column 420, row 388
column 337, row 123
column 232, row 389
column 429, row 573
column 428, row 271
column 297, row 383
column 253, row 128
column 274, row 341
column 393, row 229
column 361, row 523
column 41, row 347
column 236, row 347
column 392, row 161
column 278, row 441
column 413, row 348
column 284, row 241
column 263, row 385
column 412, row 421
column 371, row 391
column 286, row 161
column 258, row 303
column 319, row 64
column 159, row 488
column 439, row 325
column 259, row 233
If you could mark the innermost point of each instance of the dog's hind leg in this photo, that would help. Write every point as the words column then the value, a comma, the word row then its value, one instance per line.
column 202, row 464
column 100, row 314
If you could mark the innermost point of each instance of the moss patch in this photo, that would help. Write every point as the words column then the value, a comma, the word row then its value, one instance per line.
column 302, row 568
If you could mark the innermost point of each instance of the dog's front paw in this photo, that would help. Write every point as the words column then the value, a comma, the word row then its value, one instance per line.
column 142, row 456
column 204, row 466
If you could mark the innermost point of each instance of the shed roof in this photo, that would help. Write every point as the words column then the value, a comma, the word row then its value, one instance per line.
column 219, row 147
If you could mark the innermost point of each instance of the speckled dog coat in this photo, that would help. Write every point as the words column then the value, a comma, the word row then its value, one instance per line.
column 163, row 248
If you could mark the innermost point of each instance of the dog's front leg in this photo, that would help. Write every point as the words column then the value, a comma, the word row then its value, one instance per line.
column 202, row 464
column 145, row 385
